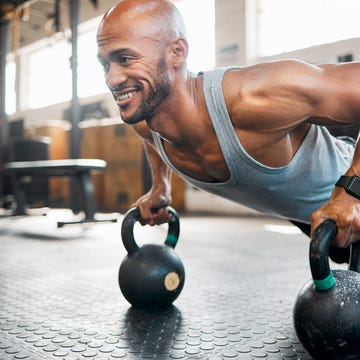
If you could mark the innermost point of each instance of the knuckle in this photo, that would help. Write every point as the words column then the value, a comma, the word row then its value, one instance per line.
column 356, row 224
column 348, row 219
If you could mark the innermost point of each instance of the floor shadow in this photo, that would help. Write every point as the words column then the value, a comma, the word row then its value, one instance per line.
column 151, row 334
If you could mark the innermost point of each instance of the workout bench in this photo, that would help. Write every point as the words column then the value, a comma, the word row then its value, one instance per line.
column 79, row 169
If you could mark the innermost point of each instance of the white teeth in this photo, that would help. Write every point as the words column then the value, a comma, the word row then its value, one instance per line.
column 127, row 95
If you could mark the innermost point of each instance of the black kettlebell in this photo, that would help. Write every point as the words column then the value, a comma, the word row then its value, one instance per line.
column 152, row 276
column 327, row 310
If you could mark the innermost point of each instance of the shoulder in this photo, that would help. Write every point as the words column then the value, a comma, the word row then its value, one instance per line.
column 280, row 71
column 271, row 93
column 271, row 79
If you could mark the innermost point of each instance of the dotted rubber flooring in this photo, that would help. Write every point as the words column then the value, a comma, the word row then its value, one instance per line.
column 59, row 296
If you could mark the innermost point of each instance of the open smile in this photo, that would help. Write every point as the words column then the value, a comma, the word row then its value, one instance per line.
column 127, row 95
column 124, row 97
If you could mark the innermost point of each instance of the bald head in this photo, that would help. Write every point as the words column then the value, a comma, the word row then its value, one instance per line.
column 143, row 51
column 157, row 19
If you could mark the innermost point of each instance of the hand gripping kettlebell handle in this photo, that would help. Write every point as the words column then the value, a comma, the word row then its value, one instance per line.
column 133, row 215
column 319, row 255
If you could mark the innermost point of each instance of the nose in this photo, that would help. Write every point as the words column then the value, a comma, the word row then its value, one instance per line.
column 115, row 76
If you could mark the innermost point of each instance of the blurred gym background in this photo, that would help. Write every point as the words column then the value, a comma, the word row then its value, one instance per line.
column 52, row 87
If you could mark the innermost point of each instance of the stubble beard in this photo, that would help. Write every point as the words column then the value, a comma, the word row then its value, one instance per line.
column 158, row 93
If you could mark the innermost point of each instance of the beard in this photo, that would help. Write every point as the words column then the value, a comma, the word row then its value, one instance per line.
column 157, row 94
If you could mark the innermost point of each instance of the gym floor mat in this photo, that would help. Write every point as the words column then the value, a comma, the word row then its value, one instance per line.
column 59, row 296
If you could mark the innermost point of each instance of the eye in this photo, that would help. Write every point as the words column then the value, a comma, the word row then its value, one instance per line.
column 124, row 59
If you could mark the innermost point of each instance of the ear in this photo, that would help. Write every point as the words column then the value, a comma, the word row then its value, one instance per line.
column 179, row 51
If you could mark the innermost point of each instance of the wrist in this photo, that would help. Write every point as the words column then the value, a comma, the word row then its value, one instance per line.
column 351, row 184
column 162, row 190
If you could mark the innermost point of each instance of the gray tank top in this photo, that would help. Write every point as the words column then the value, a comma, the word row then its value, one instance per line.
column 292, row 191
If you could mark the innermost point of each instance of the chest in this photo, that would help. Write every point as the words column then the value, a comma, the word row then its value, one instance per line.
column 203, row 161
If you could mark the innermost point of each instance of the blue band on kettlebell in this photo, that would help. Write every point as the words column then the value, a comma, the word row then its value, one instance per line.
column 325, row 284
column 172, row 239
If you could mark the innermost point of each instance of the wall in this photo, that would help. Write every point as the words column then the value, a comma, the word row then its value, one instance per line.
column 322, row 53
column 236, row 38
column 230, row 32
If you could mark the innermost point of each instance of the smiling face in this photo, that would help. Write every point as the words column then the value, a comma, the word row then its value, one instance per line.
column 134, row 49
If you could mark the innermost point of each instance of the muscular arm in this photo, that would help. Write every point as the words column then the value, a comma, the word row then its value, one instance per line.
column 343, row 208
column 343, row 107
column 275, row 96
column 159, row 196
column 289, row 94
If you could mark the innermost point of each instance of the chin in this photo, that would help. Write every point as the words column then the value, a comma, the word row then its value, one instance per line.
column 131, row 120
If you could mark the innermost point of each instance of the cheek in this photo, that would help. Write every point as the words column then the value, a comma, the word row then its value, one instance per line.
column 148, row 74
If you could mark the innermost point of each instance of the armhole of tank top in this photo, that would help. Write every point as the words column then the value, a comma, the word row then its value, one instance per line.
column 220, row 119
column 159, row 145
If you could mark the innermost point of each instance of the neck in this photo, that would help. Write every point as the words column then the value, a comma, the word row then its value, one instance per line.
column 179, row 117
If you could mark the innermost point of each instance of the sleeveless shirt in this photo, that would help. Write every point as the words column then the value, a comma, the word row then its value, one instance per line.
column 292, row 191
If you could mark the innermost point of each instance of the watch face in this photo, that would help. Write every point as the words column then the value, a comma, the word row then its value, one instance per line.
column 354, row 187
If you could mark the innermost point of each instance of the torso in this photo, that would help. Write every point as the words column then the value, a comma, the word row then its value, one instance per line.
column 207, row 162
column 202, row 159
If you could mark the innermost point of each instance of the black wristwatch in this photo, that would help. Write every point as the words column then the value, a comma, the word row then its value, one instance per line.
column 351, row 184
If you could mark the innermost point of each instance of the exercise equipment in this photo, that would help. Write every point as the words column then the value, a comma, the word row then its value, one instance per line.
column 151, row 276
column 327, row 310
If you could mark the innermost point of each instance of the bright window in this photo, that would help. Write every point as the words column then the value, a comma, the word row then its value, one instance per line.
column 199, row 19
column 90, row 73
column 48, row 76
column 285, row 25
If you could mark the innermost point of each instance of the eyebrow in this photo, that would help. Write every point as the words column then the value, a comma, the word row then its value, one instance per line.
column 114, row 54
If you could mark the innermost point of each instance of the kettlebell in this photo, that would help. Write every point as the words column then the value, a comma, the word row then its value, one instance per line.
column 151, row 276
column 326, row 312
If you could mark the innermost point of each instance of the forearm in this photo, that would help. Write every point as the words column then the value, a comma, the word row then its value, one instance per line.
column 153, row 204
column 354, row 168
column 160, row 172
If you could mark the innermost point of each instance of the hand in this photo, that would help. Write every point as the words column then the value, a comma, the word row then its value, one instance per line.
column 344, row 209
column 153, row 209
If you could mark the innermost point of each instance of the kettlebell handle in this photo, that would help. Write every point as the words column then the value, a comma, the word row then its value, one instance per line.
column 133, row 215
column 319, row 255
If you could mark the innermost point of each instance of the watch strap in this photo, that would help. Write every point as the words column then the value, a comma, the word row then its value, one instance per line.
column 351, row 184
column 344, row 181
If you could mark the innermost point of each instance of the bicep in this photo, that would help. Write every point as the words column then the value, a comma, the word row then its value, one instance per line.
column 284, row 94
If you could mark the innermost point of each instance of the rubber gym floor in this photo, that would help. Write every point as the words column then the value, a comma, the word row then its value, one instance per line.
column 60, row 299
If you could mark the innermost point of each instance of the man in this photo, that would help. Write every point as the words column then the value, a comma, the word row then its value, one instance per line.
column 252, row 134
